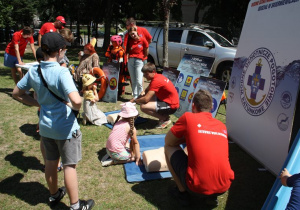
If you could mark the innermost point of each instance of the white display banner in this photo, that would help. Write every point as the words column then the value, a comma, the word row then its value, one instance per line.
column 111, row 71
column 264, row 82
column 191, row 67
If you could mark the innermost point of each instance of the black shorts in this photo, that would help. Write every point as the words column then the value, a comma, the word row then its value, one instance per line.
column 179, row 162
column 163, row 108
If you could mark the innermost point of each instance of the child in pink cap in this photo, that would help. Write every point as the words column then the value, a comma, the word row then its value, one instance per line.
column 117, row 152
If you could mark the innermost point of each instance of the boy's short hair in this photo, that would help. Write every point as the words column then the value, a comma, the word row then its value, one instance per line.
column 149, row 67
column 52, row 42
column 203, row 101
column 27, row 30
column 67, row 35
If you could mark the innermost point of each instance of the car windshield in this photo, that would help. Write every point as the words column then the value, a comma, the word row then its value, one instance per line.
column 221, row 40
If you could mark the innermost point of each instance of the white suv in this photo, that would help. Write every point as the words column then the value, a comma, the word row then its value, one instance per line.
column 194, row 41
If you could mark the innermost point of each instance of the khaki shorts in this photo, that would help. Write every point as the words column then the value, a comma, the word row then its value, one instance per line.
column 69, row 150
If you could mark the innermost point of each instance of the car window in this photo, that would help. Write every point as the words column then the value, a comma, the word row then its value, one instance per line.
column 221, row 40
column 175, row 35
column 196, row 38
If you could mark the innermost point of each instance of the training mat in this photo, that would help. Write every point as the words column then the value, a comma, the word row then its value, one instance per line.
column 134, row 173
column 138, row 120
column 279, row 195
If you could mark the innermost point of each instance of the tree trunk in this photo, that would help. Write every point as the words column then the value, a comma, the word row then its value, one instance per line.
column 166, row 4
column 196, row 18
column 89, row 32
column 108, row 20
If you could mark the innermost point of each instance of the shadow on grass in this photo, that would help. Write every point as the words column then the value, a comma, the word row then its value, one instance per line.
column 149, row 124
column 24, row 163
column 156, row 192
column 30, row 130
column 7, row 91
column 251, row 187
column 101, row 153
column 32, row 193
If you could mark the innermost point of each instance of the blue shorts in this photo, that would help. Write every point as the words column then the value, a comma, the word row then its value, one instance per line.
column 10, row 60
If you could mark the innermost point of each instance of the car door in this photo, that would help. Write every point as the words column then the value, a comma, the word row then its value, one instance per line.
column 174, row 47
column 194, row 45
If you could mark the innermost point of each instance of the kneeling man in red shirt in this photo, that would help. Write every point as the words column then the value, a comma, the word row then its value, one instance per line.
column 161, row 98
column 205, row 170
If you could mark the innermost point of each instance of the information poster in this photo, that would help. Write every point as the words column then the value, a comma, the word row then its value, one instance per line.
column 216, row 89
column 264, row 83
column 191, row 67
column 171, row 74
column 111, row 71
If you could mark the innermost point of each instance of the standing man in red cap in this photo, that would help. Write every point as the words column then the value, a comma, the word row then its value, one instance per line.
column 51, row 27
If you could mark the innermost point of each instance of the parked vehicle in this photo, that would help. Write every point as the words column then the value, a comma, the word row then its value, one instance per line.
column 196, row 41
column 36, row 34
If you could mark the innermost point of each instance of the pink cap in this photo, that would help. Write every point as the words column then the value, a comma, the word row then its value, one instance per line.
column 128, row 110
column 61, row 19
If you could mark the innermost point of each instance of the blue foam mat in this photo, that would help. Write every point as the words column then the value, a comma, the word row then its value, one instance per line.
column 134, row 173
column 137, row 121
column 279, row 195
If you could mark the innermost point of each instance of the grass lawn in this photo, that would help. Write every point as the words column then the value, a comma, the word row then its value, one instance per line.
column 23, row 186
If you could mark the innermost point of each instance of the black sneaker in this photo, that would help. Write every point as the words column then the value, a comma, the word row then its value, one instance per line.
column 182, row 197
column 54, row 201
column 85, row 205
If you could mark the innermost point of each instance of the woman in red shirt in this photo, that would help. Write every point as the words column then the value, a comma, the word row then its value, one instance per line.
column 137, row 51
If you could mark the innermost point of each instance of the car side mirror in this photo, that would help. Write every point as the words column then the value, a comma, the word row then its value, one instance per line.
column 209, row 44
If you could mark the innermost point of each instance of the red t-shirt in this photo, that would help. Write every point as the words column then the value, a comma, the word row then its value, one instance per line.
column 164, row 90
column 46, row 28
column 209, row 170
column 136, row 48
column 142, row 32
column 18, row 39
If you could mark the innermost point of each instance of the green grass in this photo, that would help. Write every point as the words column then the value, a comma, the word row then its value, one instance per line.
column 22, row 184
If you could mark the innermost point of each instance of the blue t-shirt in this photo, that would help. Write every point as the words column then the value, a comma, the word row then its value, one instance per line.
column 56, row 119
column 294, row 181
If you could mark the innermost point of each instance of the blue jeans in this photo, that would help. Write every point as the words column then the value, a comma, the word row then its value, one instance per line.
column 135, row 66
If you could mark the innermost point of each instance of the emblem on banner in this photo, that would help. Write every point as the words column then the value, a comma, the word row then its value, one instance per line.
column 190, row 98
column 183, row 94
column 113, row 83
column 286, row 99
column 195, row 82
column 188, row 81
column 258, row 82
column 283, row 122
column 214, row 106
column 180, row 78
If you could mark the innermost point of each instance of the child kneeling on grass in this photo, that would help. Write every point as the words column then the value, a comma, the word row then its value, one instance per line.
column 91, row 112
column 117, row 152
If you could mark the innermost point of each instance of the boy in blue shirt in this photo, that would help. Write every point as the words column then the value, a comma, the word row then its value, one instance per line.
column 58, row 125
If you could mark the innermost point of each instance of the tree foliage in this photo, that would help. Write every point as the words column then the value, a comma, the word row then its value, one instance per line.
column 228, row 14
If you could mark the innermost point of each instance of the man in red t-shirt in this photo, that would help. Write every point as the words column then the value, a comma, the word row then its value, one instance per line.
column 205, row 170
column 14, row 51
column 51, row 27
column 161, row 98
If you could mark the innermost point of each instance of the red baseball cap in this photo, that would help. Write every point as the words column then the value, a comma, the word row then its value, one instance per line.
column 61, row 19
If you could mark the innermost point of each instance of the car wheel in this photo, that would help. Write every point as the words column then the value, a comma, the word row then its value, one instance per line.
column 150, row 59
column 225, row 74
